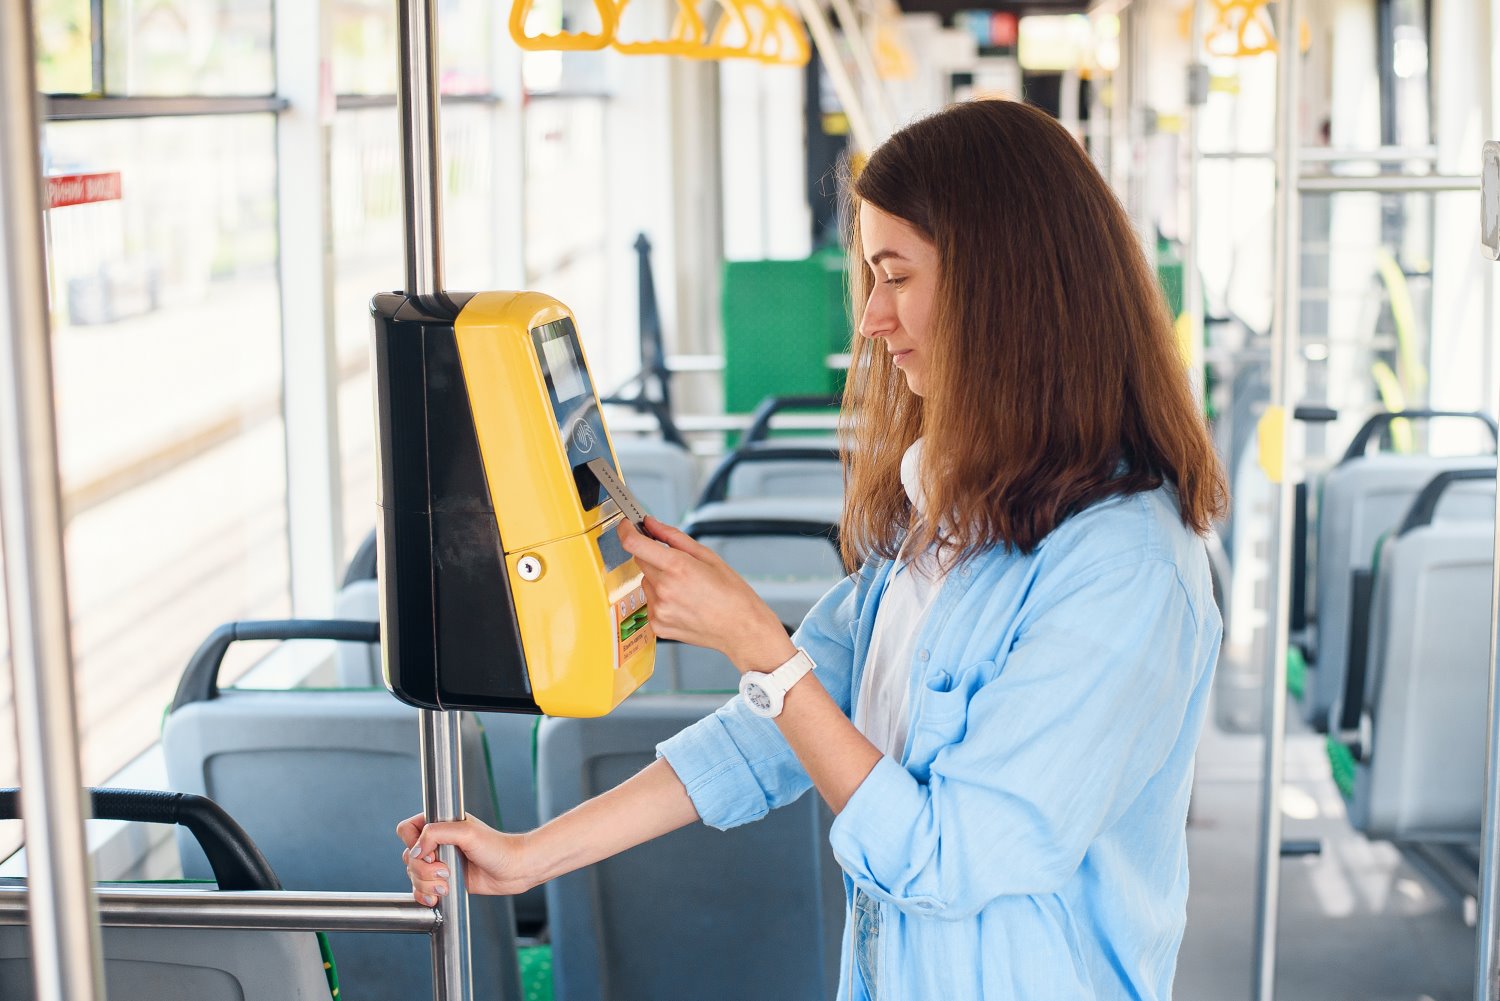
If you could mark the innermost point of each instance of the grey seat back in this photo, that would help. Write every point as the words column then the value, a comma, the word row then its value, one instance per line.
column 682, row 667
column 775, row 545
column 1420, row 776
column 319, row 780
column 694, row 914
column 660, row 474
column 808, row 477
column 1361, row 499
column 186, row 964
column 357, row 665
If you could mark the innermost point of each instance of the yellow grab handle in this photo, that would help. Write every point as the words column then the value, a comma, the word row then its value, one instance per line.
column 579, row 41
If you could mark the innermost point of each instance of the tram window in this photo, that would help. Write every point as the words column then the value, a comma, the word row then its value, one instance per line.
column 196, row 47
column 365, row 36
column 367, row 242
column 167, row 361
column 64, row 58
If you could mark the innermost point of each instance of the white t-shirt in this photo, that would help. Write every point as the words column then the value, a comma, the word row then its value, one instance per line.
column 882, row 711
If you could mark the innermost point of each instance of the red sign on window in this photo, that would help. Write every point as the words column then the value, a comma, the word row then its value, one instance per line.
column 80, row 189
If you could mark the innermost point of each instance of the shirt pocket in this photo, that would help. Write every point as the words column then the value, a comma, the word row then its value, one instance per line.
column 942, row 711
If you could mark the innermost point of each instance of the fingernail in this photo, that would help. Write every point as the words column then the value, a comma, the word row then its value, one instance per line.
column 429, row 858
column 442, row 891
column 429, row 900
column 441, row 874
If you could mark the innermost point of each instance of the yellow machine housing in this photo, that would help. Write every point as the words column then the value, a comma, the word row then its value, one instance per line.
column 503, row 583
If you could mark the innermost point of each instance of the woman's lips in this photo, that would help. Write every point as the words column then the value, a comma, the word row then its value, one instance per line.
column 899, row 356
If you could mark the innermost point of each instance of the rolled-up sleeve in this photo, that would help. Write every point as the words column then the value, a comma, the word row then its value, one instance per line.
column 736, row 765
column 1084, row 708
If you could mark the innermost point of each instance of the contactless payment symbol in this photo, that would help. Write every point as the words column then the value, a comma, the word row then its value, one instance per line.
column 583, row 436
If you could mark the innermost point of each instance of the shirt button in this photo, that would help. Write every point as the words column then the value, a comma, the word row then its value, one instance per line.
column 922, row 655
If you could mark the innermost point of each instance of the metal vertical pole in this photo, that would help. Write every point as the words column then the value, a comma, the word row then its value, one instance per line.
column 1192, row 285
column 443, row 799
column 821, row 31
column 1276, row 439
column 421, row 185
column 64, row 920
column 1487, row 973
column 863, row 50
column 421, row 151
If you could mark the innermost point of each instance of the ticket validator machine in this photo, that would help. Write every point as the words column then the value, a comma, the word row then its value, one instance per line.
column 502, row 579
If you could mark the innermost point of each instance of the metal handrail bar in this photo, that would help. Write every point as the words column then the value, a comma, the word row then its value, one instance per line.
column 1324, row 154
column 1387, row 183
column 1286, row 276
column 66, row 962
column 259, row 910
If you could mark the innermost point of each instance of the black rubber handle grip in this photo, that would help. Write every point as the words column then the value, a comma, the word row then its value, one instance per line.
column 1315, row 413
column 200, row 682
column 761, row 528
column 717, row 488
column 1362, row 438
column 362, row 566
column 760, row 420
column 1424, row 508
column 236, row 863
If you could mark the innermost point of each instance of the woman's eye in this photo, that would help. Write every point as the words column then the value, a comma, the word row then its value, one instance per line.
column 896, row 281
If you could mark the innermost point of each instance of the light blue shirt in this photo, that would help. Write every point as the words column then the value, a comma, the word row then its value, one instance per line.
column 1030, row 845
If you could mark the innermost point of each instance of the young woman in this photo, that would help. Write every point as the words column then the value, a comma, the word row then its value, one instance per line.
column 1009, row 691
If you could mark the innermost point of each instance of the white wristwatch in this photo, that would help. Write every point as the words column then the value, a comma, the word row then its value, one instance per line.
column 765, row 694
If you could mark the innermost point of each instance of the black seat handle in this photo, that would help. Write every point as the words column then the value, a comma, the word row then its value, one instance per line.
column 760, row 419
column 717, row 487
column 1424, row 508
column 200, row 682
column 753, row 527
column 362, row 565
column 236, row 863
column 1367, row 432
column 1314, row 413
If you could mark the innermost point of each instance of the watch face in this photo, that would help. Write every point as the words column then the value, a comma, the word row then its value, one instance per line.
column 758, row 697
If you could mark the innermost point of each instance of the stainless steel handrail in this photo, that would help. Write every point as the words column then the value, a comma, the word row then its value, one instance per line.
column 443, row 799
column 271, row 910
column 65, row 953
column 421, row 152
column 1286, row 296
column 1487, row 969
column 1394, row 184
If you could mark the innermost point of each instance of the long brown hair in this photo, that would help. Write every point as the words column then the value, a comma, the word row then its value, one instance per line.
column 1054, row 378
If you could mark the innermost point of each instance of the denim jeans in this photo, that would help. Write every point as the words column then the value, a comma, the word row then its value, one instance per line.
column 867, row 942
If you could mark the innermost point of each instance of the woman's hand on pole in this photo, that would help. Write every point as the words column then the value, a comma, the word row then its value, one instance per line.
column 694, row 597
column 494, row 859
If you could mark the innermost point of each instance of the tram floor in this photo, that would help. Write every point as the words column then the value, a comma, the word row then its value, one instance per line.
column 1356, row 922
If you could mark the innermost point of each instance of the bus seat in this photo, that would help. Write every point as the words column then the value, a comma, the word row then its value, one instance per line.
column 682, row 667
column 668, row 919
column 803, row 467
column 786, row 549
column 1362, row 498
column 661, row 475
column 1419, row 745
column 319, row 779
column 357, row 665
column 205, row 964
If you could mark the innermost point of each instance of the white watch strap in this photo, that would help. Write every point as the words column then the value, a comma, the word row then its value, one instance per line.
column 793, row 670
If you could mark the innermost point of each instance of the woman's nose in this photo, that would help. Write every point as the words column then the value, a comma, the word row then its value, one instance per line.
column 879, row 318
